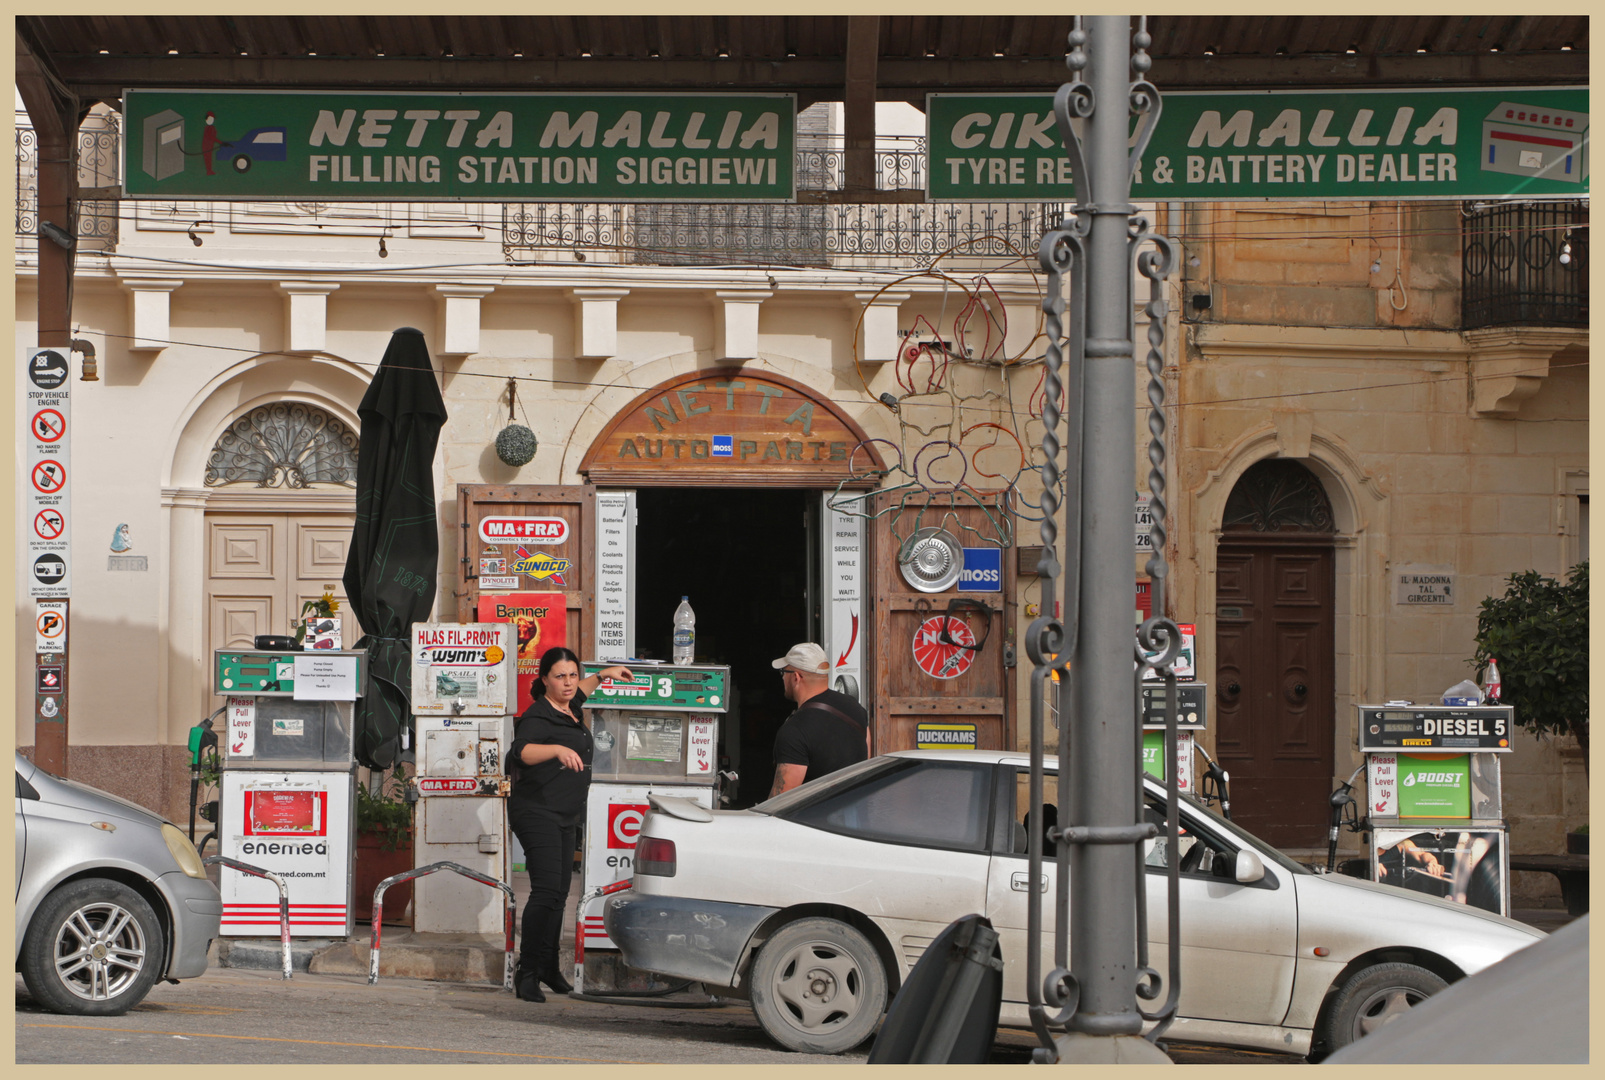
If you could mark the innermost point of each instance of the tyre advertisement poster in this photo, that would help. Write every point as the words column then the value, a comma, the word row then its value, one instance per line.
column 296, row 825
column 614, row 815
column 540, row 622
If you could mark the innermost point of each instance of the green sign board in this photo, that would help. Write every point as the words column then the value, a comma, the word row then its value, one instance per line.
column 1153, row 754
column 1435, row 786
column 1367, row 144
column 660, row 686
column 446, row 146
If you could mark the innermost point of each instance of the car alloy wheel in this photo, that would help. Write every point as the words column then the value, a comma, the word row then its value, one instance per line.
column 818, row 986
column 1375, row 996
column 93, row 948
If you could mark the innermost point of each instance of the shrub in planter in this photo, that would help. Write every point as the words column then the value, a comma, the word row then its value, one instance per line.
column 1538, row 631
column 383, row 846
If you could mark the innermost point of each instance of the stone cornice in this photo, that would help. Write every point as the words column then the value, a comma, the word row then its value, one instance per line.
column 1223, row 341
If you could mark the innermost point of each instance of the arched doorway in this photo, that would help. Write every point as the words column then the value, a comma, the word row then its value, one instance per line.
column 282, row 478
column 1274, row 606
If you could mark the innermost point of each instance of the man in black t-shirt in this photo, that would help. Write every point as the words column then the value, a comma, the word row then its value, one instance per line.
column 828, row 731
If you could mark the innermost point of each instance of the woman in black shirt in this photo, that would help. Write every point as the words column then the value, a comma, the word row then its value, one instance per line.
column 552, row 752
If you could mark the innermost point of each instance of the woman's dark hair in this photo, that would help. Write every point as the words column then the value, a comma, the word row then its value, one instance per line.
column 554, row 656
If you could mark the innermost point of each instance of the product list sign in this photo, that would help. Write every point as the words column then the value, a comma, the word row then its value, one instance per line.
column 619, row 147
column 1376, row 144
column 48, row 409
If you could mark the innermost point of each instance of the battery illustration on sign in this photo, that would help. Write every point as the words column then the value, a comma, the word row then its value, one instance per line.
column 938, row 658
column 1526, row 141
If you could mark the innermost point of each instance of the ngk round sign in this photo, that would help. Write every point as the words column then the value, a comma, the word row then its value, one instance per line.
column 524, row 530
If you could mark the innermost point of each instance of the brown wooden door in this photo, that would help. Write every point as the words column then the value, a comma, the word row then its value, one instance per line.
column 1274, row 684
column 576, row 505
column 907, row 697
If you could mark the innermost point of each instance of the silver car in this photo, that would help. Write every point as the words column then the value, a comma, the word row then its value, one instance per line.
column 110, row 897
column 816, row 905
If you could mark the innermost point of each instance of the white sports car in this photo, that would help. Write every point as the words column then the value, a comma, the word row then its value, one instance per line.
column 816, row 904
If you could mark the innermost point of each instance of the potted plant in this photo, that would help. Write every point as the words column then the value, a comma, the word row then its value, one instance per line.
column 383, row 846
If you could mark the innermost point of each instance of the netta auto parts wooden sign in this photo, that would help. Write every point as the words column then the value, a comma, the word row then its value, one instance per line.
column 731, row 426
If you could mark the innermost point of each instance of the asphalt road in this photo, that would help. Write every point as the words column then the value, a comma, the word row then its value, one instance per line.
column 231, row 1016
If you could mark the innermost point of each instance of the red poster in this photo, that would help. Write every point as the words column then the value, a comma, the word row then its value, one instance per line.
column 542, row 621
column 286, row 813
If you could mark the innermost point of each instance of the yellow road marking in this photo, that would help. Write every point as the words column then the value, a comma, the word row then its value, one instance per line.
column 321, row 1042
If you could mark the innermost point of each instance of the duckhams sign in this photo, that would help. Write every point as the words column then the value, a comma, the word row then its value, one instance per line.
column 726, row 426
column 272, row 144
column 1376, row 144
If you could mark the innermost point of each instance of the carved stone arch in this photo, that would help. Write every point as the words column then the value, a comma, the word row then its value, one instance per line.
column 608, row 409
column 325, row 382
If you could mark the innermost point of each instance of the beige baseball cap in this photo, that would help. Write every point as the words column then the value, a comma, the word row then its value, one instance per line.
column 805, row 657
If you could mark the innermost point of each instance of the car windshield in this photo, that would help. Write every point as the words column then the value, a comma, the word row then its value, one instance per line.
column 804, row 794
column 1232, row 829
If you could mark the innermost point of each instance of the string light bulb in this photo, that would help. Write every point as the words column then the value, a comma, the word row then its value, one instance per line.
column 1566, row 253
column 384, row 252
column 193, row 238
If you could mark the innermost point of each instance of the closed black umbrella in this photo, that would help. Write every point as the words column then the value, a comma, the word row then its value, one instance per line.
column 390, row 567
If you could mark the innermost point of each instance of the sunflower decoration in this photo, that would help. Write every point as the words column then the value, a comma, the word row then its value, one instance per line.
column 313, row 612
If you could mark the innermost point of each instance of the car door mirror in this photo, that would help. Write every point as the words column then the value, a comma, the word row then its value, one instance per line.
column 1249, row 868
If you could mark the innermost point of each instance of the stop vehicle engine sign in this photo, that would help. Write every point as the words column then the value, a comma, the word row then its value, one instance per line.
column 937, row 658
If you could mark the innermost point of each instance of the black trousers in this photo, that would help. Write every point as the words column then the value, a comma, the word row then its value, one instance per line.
column 549, row 858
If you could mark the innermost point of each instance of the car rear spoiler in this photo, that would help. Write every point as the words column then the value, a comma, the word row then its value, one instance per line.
column 684, row 809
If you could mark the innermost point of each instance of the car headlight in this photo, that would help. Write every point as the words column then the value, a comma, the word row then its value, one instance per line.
column 184, row 853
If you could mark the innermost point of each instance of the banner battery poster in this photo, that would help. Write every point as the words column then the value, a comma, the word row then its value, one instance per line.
column 540, row 622
column 462, row 668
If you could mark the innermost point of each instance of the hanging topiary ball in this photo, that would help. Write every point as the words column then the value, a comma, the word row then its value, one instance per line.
column 515, row 445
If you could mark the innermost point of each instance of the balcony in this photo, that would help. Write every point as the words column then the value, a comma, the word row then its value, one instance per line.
column 1525, row 264
column 816, row 231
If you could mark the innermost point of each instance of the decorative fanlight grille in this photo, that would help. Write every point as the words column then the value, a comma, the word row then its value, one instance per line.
column 288, row 444
column 1278, row 495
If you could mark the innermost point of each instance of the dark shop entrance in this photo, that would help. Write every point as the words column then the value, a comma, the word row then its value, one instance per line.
column 743, row 556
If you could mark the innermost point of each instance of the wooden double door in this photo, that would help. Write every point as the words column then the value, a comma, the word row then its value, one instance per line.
column 261, row 567
column 1274, row 683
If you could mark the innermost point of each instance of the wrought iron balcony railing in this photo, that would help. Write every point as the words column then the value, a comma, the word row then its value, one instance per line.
column 844, row 235
column 1525, row 264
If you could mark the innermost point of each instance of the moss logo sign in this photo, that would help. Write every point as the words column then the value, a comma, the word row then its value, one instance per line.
column 331, row 145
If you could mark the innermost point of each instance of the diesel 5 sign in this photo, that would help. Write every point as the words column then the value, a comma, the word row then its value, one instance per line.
column 1368, row 144
column 270, row 144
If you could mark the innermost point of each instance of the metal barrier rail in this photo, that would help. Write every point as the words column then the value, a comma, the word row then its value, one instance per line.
column 579, row 926
column 408, row 875
column 284, row 897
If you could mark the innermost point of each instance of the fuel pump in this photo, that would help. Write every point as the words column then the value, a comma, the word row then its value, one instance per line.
column 464, row 689
column 1433, row 797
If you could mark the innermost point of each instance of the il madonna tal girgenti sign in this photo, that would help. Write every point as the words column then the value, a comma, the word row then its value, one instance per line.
column 1379, row 144
column 441, row 147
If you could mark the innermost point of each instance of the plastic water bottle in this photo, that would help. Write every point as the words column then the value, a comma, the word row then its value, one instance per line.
column 685, row 631
column 1491, row 687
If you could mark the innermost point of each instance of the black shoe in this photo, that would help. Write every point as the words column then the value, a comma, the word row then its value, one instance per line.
column 558, row 984
column 529, row 989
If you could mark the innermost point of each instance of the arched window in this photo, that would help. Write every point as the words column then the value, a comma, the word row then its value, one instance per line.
column 287, row 444
column 1278, row 495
